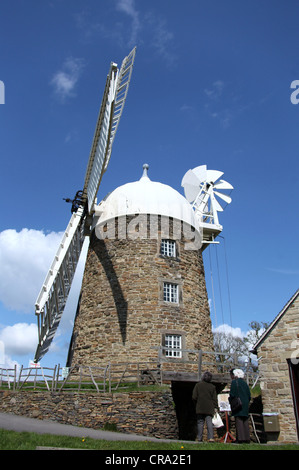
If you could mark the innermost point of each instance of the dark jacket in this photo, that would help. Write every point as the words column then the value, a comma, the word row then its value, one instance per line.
column 239, row 388
column 205, row 398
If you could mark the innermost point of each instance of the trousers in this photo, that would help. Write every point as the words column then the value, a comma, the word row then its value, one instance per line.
column 201, row 419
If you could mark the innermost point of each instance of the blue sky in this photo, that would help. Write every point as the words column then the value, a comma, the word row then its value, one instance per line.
column 211, row 85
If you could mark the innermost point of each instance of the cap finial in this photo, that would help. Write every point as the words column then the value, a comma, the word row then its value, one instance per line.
column 145, row 169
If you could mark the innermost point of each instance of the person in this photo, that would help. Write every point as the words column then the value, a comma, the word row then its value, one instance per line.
column 205, row 397
column 239, row 388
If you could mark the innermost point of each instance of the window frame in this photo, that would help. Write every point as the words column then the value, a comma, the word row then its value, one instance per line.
column 174, row 352
column 168, row 248
column 170, row 293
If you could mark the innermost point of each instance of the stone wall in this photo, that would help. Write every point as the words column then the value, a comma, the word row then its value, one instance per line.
column 144, row 413
column 276, row 349
column 122, row 315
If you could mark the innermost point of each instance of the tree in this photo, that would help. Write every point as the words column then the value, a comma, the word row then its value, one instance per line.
column 257, row 329
column 230, row 348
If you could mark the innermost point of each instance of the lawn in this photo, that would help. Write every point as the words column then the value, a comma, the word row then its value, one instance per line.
column 11, row 440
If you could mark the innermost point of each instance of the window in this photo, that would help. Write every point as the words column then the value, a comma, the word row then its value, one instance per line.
column 170, row 292
column 174, row 343
column 168, row 248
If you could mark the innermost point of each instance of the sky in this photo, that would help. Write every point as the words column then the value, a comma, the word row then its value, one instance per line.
column 211, row 85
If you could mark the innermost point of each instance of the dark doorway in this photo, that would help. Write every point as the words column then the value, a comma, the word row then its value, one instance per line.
column 294, row 378
column 185, row 409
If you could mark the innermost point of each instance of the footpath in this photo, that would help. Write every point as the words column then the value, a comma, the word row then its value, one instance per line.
column 13, row 422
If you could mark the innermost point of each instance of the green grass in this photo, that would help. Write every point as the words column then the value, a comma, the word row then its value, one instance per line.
column 256, row 391
column 11, row 440
column 124, row 387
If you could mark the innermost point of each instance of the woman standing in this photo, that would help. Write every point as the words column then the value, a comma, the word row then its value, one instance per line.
column 239, row 388
column 205, row 398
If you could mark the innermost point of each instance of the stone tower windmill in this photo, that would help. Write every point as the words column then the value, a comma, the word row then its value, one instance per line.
column 143, row 293
column 144, row 284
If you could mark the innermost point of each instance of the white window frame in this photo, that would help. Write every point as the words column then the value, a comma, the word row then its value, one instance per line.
column 174, row 342
column 170, row 292
column 168, row 248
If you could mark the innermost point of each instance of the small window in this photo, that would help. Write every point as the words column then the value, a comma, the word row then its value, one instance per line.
column 168, row 248
column 170, row 292
column 174, row 343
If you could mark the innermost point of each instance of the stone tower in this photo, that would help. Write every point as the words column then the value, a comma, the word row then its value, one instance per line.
column 143, row 289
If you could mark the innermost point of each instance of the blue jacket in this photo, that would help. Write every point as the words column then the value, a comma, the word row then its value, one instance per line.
column 239, row 388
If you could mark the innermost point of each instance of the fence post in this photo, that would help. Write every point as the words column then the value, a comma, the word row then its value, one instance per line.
column 104, row 379
column 53, row 378
column 199, row 363
column 15, row 377
column 138, row 375
column 20, row 374
column 57, row 377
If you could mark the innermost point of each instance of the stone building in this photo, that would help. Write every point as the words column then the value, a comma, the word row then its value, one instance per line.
column 143, row 293
column 278, row 354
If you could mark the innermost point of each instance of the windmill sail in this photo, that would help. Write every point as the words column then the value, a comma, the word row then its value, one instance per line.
column 115, row 94
column 51, row 301
column 122, row 88
column 55, row 290
column 202, row 189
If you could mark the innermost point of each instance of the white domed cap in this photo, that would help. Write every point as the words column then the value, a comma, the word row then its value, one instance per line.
column 146, row 197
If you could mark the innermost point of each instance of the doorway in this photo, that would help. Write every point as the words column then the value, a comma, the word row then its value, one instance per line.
column 294, row 378
column 185, row 408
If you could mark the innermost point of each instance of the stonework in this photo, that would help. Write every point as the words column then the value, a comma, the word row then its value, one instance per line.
column 279, row 347
column 144, row 413
column 122, row 316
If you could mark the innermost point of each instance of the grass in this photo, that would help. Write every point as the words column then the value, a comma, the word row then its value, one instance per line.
column 89, row 387
column 11, row 440
column 256, row 391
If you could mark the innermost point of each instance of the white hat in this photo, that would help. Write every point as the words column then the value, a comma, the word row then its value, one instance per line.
column 238, row 373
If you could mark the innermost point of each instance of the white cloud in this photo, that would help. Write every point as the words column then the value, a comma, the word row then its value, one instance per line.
column 216, row 106
column 186, row 107
column 65, row 80
column 161, row 38
column 25, row 258
column 286, row 271
column 215, row 91
column 227, row 329
column 9, row 363
column 128, row 7
column 162, row 41
column 19, row 339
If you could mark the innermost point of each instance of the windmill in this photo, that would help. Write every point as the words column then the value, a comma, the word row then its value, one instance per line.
column 203, row 188
column 52, row 298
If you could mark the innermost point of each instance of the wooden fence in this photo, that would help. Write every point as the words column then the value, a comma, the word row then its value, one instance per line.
column 116, row 376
